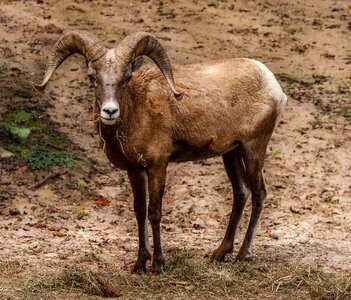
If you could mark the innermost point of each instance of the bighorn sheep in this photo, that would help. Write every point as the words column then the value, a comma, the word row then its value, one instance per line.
column 226, row 108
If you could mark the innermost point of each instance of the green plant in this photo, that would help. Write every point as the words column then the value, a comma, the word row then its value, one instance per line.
column 19, row 133
column 321, row 118
column 292, row 31
column 276, row 151
column 14, row 149
column 270, row 185
column 44, row 148
column 347, row 113
column 20, row 124
column 82, row 214
column 53, row 136
column 45, row 157
column 291, row 86
column 213, row 4
column 22, row 116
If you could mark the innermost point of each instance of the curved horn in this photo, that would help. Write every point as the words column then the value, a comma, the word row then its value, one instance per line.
column 81, row 42
column 142, row 43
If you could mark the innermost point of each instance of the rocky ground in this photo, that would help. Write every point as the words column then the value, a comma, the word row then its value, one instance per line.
column 53, row 231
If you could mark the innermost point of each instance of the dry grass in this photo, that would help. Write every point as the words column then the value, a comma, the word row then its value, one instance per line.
column 187, row 278
column 72, row 278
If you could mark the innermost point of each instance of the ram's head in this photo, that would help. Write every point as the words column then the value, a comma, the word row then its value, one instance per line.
column 109, row 70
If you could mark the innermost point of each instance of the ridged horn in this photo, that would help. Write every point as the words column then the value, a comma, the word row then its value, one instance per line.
column 72, row 42
column 142, row 43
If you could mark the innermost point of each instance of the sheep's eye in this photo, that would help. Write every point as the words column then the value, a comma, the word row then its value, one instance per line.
column 92, row 79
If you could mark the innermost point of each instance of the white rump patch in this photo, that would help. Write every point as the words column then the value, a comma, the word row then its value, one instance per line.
column 272, row 84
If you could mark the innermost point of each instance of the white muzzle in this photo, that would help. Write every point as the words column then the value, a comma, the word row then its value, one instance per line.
column 109, row 113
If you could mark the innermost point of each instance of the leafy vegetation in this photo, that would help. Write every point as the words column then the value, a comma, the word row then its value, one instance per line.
column 22, row 116
column 45, row 157
column 38, row 145
column 18, row 125
column 19, row 133
column 347, row 114
column 276, row 151
column 319, row 119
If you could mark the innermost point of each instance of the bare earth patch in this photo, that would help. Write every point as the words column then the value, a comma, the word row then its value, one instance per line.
column 56, row 242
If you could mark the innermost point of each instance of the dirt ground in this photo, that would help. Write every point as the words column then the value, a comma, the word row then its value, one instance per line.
column 57, row 226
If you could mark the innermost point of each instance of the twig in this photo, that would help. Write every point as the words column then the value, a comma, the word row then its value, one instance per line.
column 57, row 147
column 46, row 178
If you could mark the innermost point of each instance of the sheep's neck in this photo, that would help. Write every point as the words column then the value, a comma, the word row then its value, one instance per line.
column 115, row 139
column 112, row 146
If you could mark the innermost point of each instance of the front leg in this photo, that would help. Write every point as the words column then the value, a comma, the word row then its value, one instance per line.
column 157, row 179
column 138, row 181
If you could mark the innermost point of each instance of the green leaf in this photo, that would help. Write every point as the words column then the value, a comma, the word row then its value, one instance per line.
column 21, row 134
column 22, row 116
column 44, row 157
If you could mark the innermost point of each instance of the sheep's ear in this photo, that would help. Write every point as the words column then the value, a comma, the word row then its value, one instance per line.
column 136, row 63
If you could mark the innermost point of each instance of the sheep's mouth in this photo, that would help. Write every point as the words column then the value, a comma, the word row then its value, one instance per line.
column 110, row 121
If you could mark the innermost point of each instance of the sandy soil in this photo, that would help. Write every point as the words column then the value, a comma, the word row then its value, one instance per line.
column 308, row 210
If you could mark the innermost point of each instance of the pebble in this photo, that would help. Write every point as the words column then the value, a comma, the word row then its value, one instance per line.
column 4, row 153
column 51, row 255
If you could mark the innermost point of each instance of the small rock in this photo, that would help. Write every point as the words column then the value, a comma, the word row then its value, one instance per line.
column 35, row 50
column 199, row 225
column 51, row 255
column 294, row 209
column 274, row 235
column 4, row 153
column 35, row 246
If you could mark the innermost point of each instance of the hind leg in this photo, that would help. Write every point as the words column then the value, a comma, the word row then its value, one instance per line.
column 234, row 166
column 253, row 159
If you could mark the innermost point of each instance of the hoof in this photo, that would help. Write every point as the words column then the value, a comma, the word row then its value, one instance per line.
column 242, row 256
column 220, row 253
column 140, row 265
column 157, row 265
column 156, row 270
column 139, row 268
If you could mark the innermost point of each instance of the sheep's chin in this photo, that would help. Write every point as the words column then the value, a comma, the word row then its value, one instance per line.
column 108, row 121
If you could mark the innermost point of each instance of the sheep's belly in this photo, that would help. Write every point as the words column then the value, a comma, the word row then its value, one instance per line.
column 183, row 151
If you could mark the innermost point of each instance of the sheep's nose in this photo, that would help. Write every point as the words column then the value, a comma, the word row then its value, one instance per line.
column 110, row 111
